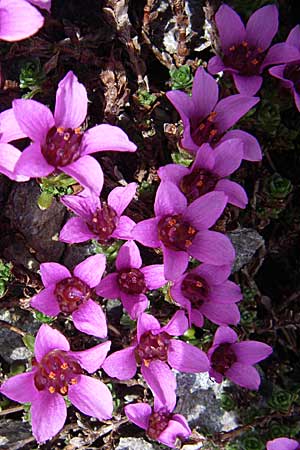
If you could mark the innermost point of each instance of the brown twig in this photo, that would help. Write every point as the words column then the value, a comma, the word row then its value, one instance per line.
column 12, row 328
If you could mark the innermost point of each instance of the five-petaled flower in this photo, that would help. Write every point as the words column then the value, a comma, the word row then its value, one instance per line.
column 72, row 294
column 160, row 423
column 59, row 144
column 182, row 230
column 235, row 360
column 57, row 372
column 283, row 444
column 99, row 221
column 208, row 172
column 246, row 51
column 155, row 349
column 206, row 120
column 206, row 291
column 131, row 281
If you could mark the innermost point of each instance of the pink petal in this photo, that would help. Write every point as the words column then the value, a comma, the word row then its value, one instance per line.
column 221, row 314
column 205, row 92
column 128, row 257
column 91, row 270
column 172, row 173
column 134, row 304
column 262, row 27
column 20, row 388
column 205, row 158
column 175, row 263
column 154, row 276
column 184, row 105
column 9, row 157
column 175, row 430
column 279, row 54
column 106, row 138
column 145, row 323
column 278, row 72
column 230, row 109
column 196, row 318
column 215, row 65
column 120, row 197
column 43, row 4
column 205, row 211
column 87, row 171
column 213, row 248
column 297, row 99
column 48, row 415
column 52, row 273
column 71, row 102
column 251, row 352
column 92, row 397
column 235, row 193
column 282, row 444
column 121, row 364
column 251, row 149
column 228, row 157
column 214, row 275
column 169, row 200
column 161, row 381
column 176, row 326
column 227, row 292
column 82, row 205
column 139, row 413
column 48, row 339
column 31, row 163
column 146, row 233
column 230, row 27
column 225, row 335
column 46, row 302
column 124, row 228
column 244, row 375
column 177, row 295
column 9, row 127
column 76, row 231
column 90, row 319
column 294, row 37
column 13, row 25
column 93, row 358
column 247, row 85
column 34, row 119
column 109, row 287
column 186, row 357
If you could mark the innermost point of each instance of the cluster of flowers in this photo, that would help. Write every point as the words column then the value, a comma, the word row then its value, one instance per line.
column 188, row 203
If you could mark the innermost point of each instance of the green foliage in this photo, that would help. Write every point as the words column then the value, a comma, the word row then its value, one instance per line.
column 5, row 276
column 277, row 429
column 182, row 157
column 42, row 317
column 227, row 402
column 181, row 78
column 55, row 185
column 110, row 250
column 31, row 77
column 145, row 98
column 29, row 341
column 252, row 441
column 281, row 400
column 279, row 187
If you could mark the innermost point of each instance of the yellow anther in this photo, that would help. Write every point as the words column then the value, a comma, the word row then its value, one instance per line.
column 51, row 389
column 64, row 366
column 147, row 362
column 200, row 183
column 254, row 61
column 232, row 48
column 66, row 136
column 77, row 130
column 191, row 230
column 260, row 50
column 212, row 116
column 188, row 243
column 201, row 126
column 60, row 129
column 73, row 381
column 213, row 132
column 245, row 44
column 172, row 222
column 63, row 390
column 52, row 376
column 199, row 284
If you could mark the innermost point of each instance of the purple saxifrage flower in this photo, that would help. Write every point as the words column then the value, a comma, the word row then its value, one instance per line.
column 57, row 372
column 72, row 294
column 99, row 221
column 181, row 230
column 208, row 172
column 58, row 142
column 18, row 20
column 206, row 291
column 246, row 51
column 289, row 74
column 235, row 360
column 283, row 444
column 43, row 4
column 155, row 350
column 160, row 423
column 131, row 281
column 206, row 120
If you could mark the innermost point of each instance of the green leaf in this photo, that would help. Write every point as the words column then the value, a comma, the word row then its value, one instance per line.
column 45, row 200
column 29, row 341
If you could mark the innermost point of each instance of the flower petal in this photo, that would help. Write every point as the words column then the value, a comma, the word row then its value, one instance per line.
column 278, row 72
column 225, row 335
column 145, row 323
column 205, row 211
column 184, row 104
column 13, row 25
column 154, row 276
column 213, row 275
column 87, row 171
column 213, row 248
column 176, row 326
column 71, row 102
column 169, row 200
column 146, row 232
column 294, row 37
column 31, row 163
column 106, row 138
column 34, row 119
column 20, row 388
column 221, row 314
column 175, row 263
column 48, row 339
column 134, row 304
column 228, row 157
column 244, row 375
column 48, row 415
column 161, row 381
column 205, row 158
column 279, row 54
column 186, row 357
column 109, row 287
column 90, row 319
column 262, row 27
column 76, row 231
column 9, row 157
column 235, row 193
column 91, row 270
column 91, row 397
column 46, row 302
column 230, row 27
column 124, row 228
column 52, row 273
column 215, row 65
column 173, row 173
column 121, row 364
column 120, row 197
column 227, row 292
column 139, row 413
column 230, row 109
column 196, row 318
column 43, row 4
column 128, row 257
column 93, row 358
column 251, row 149
column 205, row 92
column 82, row 205
column 251, row 352
column 9, row 127
column 282, row 444
column 247, row 85
column 175, row 430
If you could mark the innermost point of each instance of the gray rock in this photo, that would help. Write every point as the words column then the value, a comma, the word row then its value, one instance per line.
column 12, row 347
column 136, row 444
column 14, row 434
column 246, row 242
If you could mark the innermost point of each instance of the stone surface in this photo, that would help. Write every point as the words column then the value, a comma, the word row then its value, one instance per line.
column 14, row 434
column 246, row 242
column 136, row 444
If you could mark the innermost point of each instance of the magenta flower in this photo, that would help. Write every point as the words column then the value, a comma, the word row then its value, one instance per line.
column 246, row 51
column 208, row 173
column 57, row 372
column 155, row 350
column 206, row 291
column 96, row 221
column 131, row 281
column 181, row 230
column 234, row 360
column 13, row 27
column 9, row 155
column 160, row 423
column 283, row 444
column 58, row 142
column 289, row 74
column 206, row 120
column 72, row 294
column 43, row 4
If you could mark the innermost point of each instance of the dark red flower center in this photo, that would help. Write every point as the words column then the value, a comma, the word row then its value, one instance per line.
column 62, row 146
column 198, row 183
column 104, row 223
column 132, row 281
column 206, row 131
column 71, row 293
column 244, row 58
column 175, row 233
column 292, row 73
column 195, row 289
column 223, row 358
column 56, row 371
column 158, row 422
column 152, row 347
